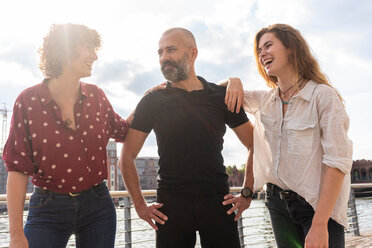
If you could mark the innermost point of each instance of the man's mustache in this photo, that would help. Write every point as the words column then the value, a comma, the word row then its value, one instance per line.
column 169, row 62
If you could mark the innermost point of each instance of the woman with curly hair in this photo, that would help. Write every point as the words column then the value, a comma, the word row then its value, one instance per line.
column 58, row 137
column 302, row 151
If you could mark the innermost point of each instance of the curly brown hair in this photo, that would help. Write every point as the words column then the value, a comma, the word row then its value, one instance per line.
column 304, row 63
column 60, row 46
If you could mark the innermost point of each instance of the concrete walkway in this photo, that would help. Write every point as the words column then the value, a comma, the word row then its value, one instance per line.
column 362, row 241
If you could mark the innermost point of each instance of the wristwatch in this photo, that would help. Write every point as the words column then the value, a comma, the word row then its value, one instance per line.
column 246, row 192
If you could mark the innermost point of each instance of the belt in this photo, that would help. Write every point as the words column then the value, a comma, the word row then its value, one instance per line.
column 73, row 194
column 286, row 195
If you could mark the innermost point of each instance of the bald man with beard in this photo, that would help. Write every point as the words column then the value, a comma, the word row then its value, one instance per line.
column 188, row 118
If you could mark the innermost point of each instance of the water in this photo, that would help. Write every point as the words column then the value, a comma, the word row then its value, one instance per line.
column 364, row 210
column 256, row 222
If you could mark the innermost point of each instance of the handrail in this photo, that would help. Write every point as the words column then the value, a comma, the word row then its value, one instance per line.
column 152, row 192
column 121, row 193
column 360, row 185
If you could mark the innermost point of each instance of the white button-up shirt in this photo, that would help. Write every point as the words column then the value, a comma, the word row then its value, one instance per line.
column 293, row 151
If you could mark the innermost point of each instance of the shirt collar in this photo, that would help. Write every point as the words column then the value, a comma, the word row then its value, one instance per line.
column 204, row 82
column 206, row 86
column 45, row 96
column 308, row 90
column 84, row 89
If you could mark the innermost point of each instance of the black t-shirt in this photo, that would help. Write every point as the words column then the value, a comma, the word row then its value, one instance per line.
column 189, row 129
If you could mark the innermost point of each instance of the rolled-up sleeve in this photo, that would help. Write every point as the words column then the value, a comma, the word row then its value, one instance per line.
column 334, row 125
column 18, row 149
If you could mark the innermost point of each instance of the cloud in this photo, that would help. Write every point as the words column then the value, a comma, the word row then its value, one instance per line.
column 16, row 75
column 116, row 70
column 23, row 54
column 359, row 111
column 338, row 32
column 293, row 12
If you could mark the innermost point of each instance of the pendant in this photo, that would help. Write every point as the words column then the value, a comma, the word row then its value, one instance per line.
column 68, row 122
column 285, row 102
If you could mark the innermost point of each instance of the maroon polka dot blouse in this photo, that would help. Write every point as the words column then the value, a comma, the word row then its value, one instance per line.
column 57, row 157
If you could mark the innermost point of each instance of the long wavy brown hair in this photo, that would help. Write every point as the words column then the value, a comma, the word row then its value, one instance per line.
column 304, row 63
column 60, row 46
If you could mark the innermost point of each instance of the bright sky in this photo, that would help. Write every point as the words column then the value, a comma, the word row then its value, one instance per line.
column 339, row 33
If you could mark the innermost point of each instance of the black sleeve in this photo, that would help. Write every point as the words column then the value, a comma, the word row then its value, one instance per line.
column 234, row 120
column 144, row 115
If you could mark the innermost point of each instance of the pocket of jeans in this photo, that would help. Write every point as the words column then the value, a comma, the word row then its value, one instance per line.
column 38, row 200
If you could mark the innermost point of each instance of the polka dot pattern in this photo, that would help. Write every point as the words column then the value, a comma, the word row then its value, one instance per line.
column 66, row 161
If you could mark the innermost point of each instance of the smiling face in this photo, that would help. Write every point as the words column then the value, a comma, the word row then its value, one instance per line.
column 273, row 55
column 81, row 64
column 62, row 47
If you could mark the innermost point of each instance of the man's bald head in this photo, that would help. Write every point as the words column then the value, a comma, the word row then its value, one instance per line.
column 187, row 37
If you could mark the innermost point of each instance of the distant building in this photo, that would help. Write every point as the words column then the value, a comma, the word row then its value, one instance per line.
column 120, row 181
column 236, row 178
column 112, row 168
column 147, row 168
column 3, row 176
column 361, row 171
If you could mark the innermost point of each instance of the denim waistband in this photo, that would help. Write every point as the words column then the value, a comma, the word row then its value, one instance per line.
column 73, row 194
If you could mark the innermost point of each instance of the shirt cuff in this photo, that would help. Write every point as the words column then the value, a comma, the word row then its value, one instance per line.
column 343, row 164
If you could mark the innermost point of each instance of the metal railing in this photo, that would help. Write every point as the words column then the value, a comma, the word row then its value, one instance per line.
column 254, row 226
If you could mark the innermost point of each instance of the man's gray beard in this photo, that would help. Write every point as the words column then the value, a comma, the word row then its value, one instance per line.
column 175, row 74
column 178, row 71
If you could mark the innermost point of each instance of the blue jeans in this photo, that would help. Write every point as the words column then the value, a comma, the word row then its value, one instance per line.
column 291, row 218
column 53, row 218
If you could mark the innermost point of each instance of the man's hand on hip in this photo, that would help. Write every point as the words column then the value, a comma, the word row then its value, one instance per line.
column 239, row 203
column 150, row 213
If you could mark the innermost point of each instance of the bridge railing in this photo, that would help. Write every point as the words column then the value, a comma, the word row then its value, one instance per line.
column 254, row 225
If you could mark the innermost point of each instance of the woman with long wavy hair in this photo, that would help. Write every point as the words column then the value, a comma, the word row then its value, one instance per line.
column 302, row 151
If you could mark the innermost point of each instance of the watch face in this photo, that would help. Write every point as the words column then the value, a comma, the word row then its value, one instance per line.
column 246, row 192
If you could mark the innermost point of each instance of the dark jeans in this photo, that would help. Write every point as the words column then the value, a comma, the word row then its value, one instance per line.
column 53, row 218
column 291, row 218
column 188, row 214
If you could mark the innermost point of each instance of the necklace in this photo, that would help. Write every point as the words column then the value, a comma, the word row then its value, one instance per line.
column 68, row 122
column 285, row 92
column 286, row 102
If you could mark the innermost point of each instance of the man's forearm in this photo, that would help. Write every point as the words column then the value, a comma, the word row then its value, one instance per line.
column 16, row 192
column 245, row 135
column 248, row 177
column 131, row 180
